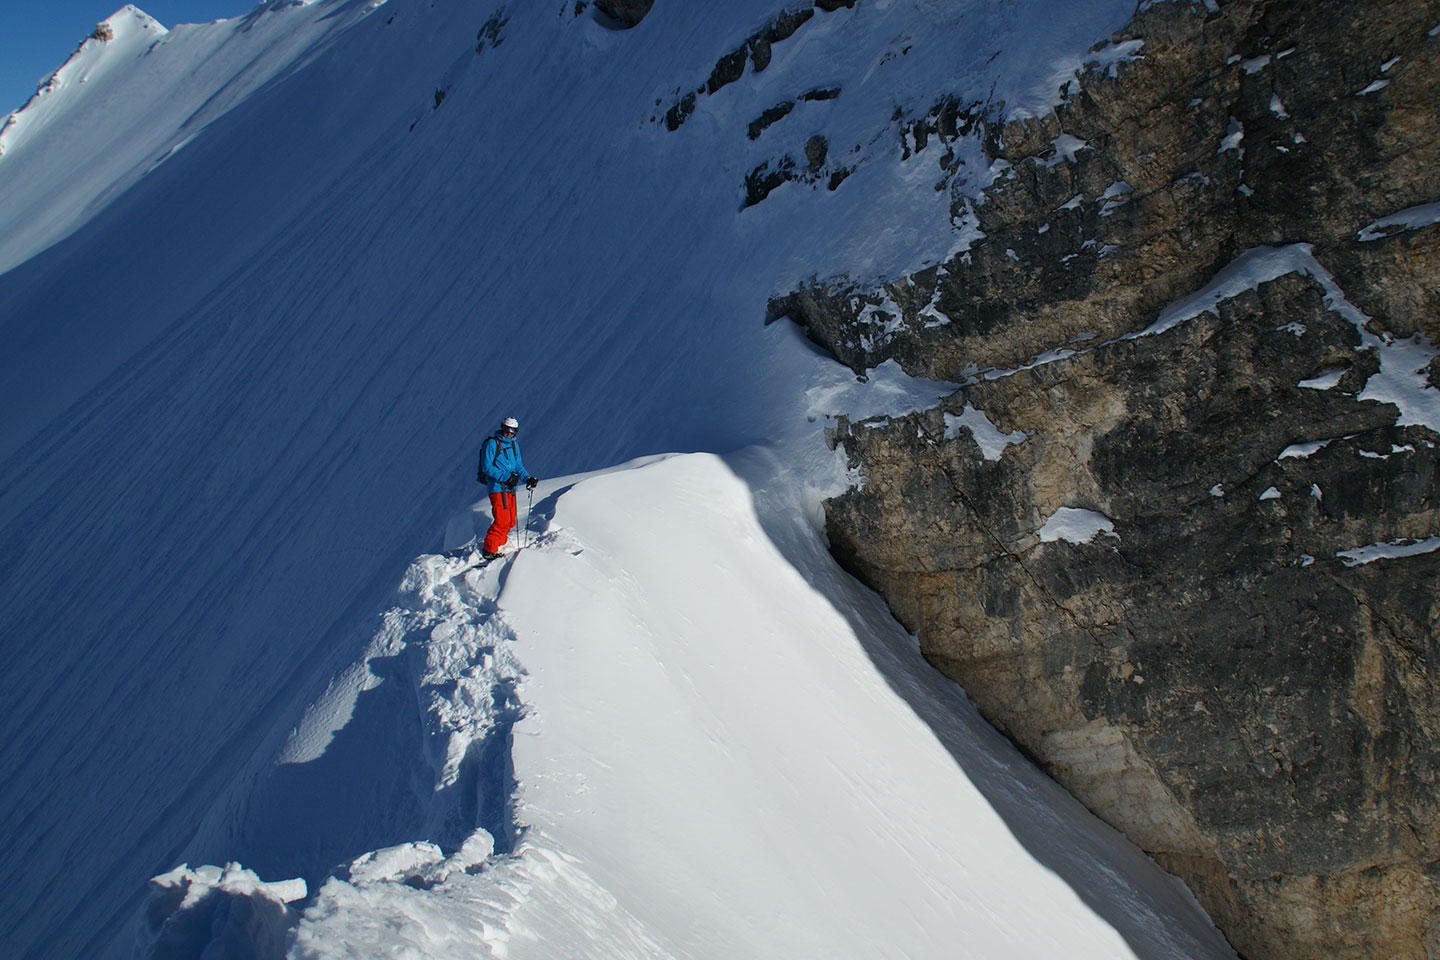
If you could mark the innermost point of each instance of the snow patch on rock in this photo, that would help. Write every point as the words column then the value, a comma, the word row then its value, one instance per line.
column 1076, row 525
column 991, row 441
column 1303, row 450
column 1324, row 380
column 1411, row 218
column 1391, row 550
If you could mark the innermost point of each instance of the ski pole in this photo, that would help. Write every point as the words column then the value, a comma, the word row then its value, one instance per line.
column 529, row 502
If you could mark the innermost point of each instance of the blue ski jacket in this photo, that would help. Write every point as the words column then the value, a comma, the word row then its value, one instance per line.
column 499, row 458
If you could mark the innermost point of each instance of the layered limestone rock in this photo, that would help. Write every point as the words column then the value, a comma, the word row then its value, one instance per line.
column 1174, row 535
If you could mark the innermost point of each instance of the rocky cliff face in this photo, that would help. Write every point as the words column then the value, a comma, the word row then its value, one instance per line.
column 1177, row 533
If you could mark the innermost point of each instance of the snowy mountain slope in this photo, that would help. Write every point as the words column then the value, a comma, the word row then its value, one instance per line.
column 249, row 390
column 110, row 144
column 120, row 107
column 716, row 757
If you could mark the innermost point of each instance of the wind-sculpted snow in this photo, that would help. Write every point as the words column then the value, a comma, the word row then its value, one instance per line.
column 229, row 912
column 433, row 694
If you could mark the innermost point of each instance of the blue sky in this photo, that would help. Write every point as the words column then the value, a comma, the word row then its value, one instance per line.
column 37, row 36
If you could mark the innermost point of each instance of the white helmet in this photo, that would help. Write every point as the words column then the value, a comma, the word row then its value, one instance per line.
column 510, row 422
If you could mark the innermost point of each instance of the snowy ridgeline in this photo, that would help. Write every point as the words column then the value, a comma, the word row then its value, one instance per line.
column 685, row 733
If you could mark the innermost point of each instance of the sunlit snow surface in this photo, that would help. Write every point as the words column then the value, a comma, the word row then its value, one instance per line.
column 728, row 748
column 265, row 301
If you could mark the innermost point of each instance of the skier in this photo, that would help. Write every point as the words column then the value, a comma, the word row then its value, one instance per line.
column 501, row 469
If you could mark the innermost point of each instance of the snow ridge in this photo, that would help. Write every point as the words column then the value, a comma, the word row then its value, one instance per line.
column 123, row 32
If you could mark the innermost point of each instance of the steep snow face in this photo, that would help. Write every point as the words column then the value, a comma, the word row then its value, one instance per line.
column 724, row 747
column 117, row 40
column 263, row 313
column 120, row 107
column 99, row 144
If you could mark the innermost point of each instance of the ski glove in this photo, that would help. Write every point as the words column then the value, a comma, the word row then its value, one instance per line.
column 531, row 483
column 514, row 481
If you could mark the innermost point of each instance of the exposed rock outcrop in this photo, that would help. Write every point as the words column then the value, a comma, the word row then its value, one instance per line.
column 1172, row 536
column 757, row 50
column 626, row 12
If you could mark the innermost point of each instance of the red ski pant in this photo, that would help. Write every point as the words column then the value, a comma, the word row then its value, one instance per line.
column 502, row 505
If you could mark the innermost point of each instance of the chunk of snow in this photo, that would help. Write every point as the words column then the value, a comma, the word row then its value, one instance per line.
column 1403, row 379
column 1110, row 56
column 1392, row 550
column 1076, row 525
column 1303, row 450
column 1245, row 272
column 210, row 911
column 967, row 233
column 887, row 392
column 1412, row 218
column 1316, row 492
column 1234, row 136
column 1270, row 494
column 991, row 441
column 1294, row 328
column 1040, row 360
column 1385, row 67
column 1066, row 146
column 1324, row 380
column 1374, row 87
column 1217, row 491
column 400, row 862
column 1277, row 107
column 1072, row 203
column 1115, row 196
column 1305, row 559
column 1256, row 64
